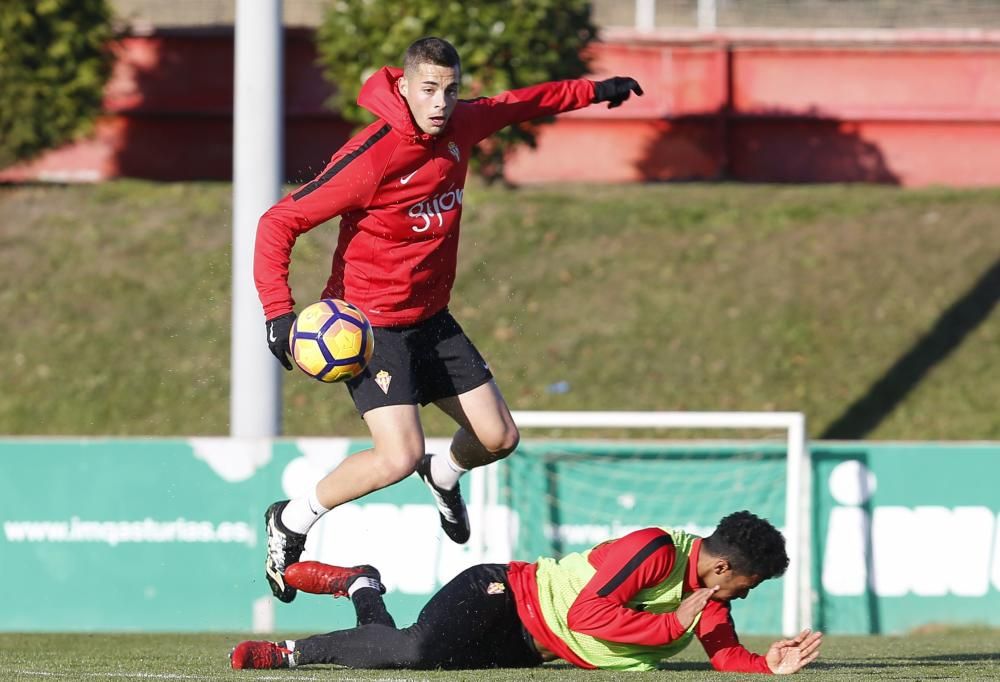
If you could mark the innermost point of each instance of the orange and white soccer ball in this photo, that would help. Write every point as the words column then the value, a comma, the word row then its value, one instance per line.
column 331, row 340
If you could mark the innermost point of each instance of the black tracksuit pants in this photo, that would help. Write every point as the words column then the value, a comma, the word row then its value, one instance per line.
column 470, row 623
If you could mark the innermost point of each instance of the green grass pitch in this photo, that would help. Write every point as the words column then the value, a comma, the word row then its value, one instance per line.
column 945, row 654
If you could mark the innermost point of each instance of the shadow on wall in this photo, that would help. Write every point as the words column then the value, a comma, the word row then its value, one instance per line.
column 765, row 146
column 173, row 104
column 172, row 98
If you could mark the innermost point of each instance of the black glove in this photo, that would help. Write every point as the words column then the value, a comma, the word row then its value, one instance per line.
column 277, row 337
column 615, row 90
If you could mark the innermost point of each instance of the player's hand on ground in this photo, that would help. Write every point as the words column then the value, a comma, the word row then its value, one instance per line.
column 787, row 656
column 277, row 337
column 692, row 605
column 615, row 90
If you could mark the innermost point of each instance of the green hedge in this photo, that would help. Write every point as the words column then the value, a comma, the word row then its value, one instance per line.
column 54, row 62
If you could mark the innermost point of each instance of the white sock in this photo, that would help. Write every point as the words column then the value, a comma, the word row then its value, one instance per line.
column 445, row 472
column 290, row 645
column 300, row 514
column 362, row 583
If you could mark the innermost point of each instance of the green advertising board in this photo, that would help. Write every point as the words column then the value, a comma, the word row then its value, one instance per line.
column 125, row 535
column 906, row 535
column 167, row 535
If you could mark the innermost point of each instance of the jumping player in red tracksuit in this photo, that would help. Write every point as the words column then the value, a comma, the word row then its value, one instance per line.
column 626, row 604
column 398, row 188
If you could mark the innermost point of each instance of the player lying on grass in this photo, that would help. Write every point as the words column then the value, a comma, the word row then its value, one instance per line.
column 397, row 187
column 625, row 604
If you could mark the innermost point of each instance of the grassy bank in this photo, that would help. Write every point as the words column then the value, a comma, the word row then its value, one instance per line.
column 115, row 302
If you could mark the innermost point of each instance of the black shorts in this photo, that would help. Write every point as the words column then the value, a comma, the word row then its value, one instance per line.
column 419, row 364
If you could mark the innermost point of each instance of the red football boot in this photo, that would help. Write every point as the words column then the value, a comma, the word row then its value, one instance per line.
column 319, row 578
column 260, row 656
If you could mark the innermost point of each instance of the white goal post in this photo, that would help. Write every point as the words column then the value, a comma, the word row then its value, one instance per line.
column 796, row 612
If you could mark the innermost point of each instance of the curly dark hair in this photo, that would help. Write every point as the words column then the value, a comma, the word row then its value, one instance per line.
column 751, row 544
column 431, row 50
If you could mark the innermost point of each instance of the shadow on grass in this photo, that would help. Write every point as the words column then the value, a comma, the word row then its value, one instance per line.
column 895, row 662
column 665, row 666
column 832, row 665
column 944, row 659
column 947, row 334
column 685, row 667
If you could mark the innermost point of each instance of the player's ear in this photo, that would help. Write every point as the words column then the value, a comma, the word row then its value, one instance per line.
column 721, row 567
column 401, row 86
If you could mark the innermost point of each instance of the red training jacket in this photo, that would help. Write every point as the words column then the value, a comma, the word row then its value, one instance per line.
column 399, row 193
column 605, row 615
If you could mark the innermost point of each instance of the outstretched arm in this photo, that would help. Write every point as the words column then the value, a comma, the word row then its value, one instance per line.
column 787, row 656
column 490, row 114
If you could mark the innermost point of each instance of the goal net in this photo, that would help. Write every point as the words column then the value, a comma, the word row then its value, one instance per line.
column 570, row 494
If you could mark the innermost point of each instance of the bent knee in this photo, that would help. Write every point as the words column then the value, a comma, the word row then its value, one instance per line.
column 503, row 442
column 396, row 465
